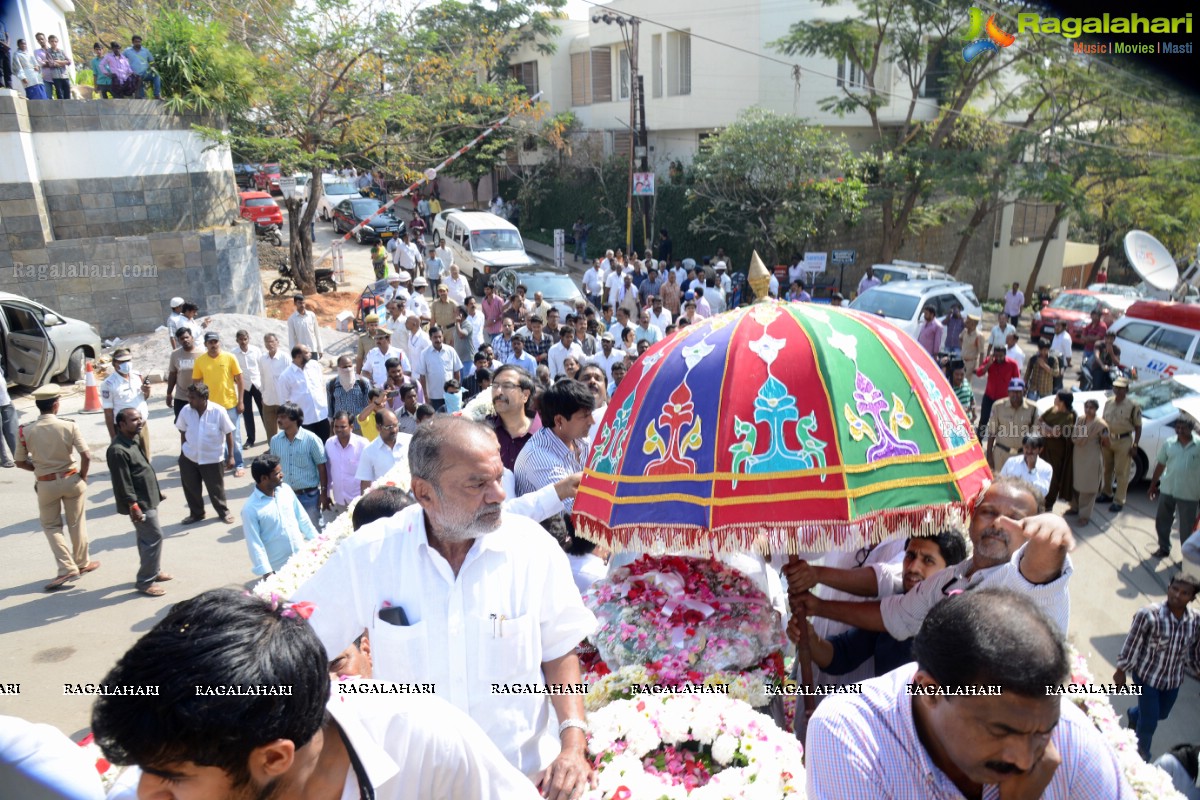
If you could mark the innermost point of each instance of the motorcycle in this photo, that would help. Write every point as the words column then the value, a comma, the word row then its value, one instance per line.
column 268, row 233
column 285, row 285
column 1094, row 378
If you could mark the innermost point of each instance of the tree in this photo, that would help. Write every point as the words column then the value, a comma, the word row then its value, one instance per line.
column 776, row 181
column 199, row 72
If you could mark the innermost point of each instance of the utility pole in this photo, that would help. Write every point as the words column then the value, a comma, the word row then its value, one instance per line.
column 629, row 35
column 644, row 146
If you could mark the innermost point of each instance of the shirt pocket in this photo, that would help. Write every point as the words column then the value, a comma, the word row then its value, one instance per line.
column 509, row 649
column 400, row 652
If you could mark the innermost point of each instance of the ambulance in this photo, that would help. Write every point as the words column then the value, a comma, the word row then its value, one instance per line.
column 1160, row 339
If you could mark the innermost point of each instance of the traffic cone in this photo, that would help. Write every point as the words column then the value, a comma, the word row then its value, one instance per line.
column 91, row 393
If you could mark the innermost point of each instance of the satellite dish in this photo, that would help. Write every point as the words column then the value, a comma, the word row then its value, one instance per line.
column 1151, row 260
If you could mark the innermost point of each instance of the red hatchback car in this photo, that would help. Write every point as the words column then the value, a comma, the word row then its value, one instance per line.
column 1075, row 307
column 267, row 178
column 260, row 208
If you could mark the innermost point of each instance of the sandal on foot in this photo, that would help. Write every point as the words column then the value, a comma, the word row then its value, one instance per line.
column 163, row 577
column 153, row 591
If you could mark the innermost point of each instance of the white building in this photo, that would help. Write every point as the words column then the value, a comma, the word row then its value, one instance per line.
column 24, row 18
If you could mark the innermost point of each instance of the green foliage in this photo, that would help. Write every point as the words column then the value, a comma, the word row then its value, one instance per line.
column 776, row 182
column 201, row 70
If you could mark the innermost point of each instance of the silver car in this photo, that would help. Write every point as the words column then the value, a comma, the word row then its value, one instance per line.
column 37, row 344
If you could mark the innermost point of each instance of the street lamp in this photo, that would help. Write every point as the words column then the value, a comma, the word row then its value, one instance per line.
column 629, row 35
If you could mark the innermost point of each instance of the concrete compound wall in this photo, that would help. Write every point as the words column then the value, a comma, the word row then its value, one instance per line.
column 110, row 207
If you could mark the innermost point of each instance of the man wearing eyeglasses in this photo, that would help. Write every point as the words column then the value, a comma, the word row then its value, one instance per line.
column 389, row 449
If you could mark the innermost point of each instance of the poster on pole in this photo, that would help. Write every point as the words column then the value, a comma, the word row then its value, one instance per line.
column 560, row 247
column 815, row 262
column 643, row 184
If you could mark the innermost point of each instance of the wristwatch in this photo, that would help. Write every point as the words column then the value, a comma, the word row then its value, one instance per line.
column 572, row 723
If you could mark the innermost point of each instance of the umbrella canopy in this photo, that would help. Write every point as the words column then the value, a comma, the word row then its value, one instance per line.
column 781, row 426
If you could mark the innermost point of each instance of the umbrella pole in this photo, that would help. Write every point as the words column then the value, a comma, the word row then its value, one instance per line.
column 804, row 709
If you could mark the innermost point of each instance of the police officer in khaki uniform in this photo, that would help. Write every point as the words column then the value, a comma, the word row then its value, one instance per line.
column 1124, row 418
column 47, row 448
column 366, row 341
column 1009, row 424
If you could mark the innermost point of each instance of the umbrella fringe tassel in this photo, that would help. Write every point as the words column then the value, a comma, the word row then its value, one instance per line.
column 777, row 537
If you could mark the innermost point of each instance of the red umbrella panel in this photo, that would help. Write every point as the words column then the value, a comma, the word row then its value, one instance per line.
column 781, row 426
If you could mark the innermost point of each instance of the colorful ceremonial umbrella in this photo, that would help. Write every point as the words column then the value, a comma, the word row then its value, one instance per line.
column 781, row 426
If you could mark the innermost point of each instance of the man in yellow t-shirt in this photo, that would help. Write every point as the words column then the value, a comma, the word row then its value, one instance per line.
column 222, row 375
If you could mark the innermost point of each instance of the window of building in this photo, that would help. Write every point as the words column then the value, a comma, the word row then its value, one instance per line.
column 624, row 61
column 939, row 70
column 526, row 74
column 581, row 79
column 1030, row 221
column 849, row 75
column 602, row 75
column 679, row 63
column 656, row 67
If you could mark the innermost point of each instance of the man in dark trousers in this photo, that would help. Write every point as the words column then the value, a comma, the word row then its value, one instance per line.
column 135, row 488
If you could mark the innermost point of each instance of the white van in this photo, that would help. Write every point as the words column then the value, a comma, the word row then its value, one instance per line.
column 909, row 271
column 1160, row 339
column 482, row 244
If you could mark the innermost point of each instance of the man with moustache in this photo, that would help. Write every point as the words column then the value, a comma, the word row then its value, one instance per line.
column 456, row 592
column 1015, row 546
column 971, row 718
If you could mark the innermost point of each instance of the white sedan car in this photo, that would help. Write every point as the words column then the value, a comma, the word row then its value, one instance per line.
column 1161, row 402
column 335, row 191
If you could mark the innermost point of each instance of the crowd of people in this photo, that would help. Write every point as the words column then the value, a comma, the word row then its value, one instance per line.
column 42, row 72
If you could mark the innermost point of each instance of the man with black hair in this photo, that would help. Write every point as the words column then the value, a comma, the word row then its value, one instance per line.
column 1163, row 640
column 975, row 716
column 304, row 461
column 206, row 438
column 1015, row 545
column 136, row 492
column 379, row 503
column 1031, row 466
column 481, row 597
column 274, row 522
column 191, row 742
column 845, row 651
column 560, row 448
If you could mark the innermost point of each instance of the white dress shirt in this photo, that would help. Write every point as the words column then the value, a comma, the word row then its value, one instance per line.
column 517, row 573
column 303, row 329
column 270, row 367
column 374, row 364
column 457, row 288
column 1039, row 476
column 607, row 361
column 1017, row 355
column 377, row 458
column 248, row 361
column 557, row 354
column 1061, row 344
column 305, row 388
column 204, row 434
column 592, row 281
column 661, row 320
column 437, row 367
column 343, row 467
column 417, row 344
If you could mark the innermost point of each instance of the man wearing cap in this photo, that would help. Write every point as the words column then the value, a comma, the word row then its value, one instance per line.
column 303, row 328
column 222, row 374
column 175, row 320
column 1176, row 485
column 46, row 447
column 443, row 312
column 375, row 365
column 366, row 341
column 1010, row 423
column 394, row 288
column 1124, row 418
column 417, row 304
column 125, row 389
column 836, row 299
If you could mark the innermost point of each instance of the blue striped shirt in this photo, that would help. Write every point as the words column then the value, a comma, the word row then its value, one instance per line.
column 299, row 458
column 866, row 745
column 545, row 460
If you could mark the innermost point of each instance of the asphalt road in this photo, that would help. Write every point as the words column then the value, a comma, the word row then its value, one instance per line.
column 75, row 636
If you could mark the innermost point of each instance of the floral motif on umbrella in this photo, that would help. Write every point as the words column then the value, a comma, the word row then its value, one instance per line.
column 784, row 425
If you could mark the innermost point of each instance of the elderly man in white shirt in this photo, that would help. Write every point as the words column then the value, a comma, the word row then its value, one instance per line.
column 456, row 592
column 456, row 285
column 303, row 328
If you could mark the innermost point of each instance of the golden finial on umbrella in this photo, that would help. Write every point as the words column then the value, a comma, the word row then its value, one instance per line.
column 759, row 277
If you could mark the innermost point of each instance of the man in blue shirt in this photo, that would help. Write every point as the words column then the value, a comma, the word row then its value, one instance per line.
column 140, row 61
column 275, row 524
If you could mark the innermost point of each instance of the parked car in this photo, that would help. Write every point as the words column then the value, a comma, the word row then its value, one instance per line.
column 482, row 244
column 1075, row 307
column 1117, row 288
column 259, row 208
column 1160, row 339
column 1160, row 400
column 267, row 178
column 909, row 271
column 334, row 191
column 243, row 175
column 350, row 212
column 558, row 288
column 902, row 301
column 302, row 181
column 38, row 344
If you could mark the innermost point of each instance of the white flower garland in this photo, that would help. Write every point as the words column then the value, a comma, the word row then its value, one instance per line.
column 758, row 759
column 1148, row 781
column 749, row 687
column 303, row 565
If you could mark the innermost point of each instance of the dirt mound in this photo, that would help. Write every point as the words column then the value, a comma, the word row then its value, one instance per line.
column 325, row 306
column 270, row 257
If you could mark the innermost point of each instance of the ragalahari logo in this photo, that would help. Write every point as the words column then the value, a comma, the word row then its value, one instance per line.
column 983, row 37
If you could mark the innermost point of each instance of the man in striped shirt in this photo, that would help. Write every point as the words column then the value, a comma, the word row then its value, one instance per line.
column 1163, row 639
column 973, row 717
column 560, row 448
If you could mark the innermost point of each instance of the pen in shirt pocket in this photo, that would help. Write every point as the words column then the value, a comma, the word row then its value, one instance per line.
column 498, row 625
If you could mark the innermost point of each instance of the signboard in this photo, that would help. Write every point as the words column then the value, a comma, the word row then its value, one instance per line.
column 815, row 262
column 844, row 256
column 560, row 247
column 287, row 187
column 643, row 184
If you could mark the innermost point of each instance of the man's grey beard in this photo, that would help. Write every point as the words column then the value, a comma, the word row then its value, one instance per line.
column 482, row 524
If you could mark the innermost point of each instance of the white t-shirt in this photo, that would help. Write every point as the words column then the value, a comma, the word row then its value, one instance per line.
column 1039, row 476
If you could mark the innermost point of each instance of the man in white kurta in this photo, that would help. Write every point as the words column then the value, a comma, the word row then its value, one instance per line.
column 488, row 597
